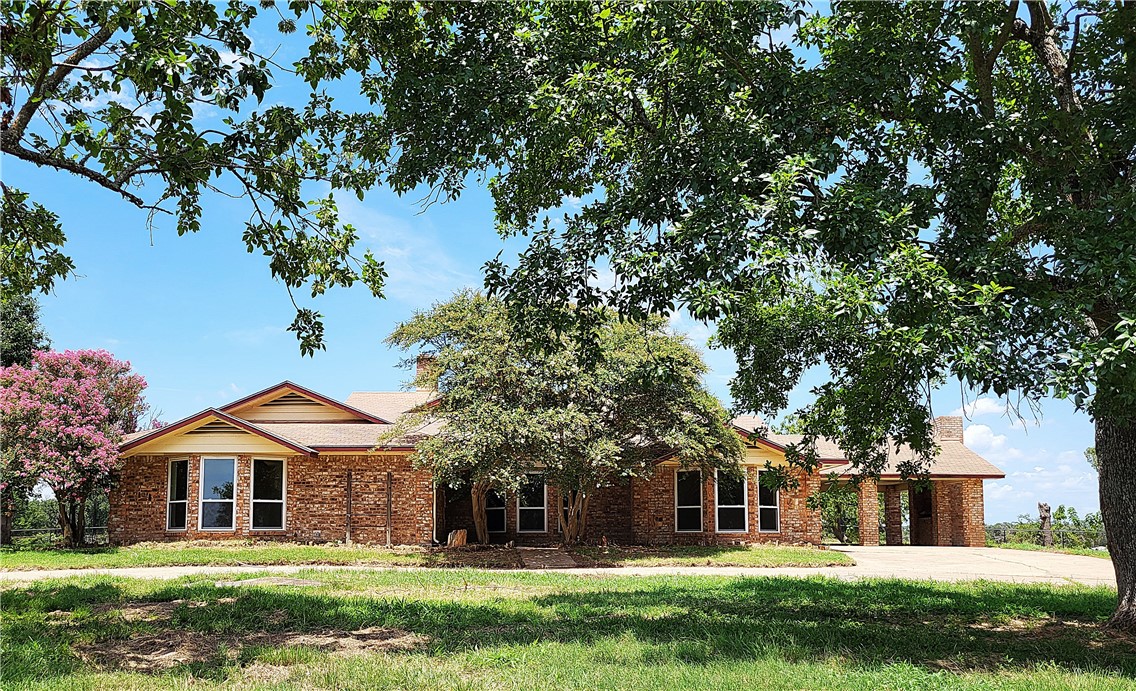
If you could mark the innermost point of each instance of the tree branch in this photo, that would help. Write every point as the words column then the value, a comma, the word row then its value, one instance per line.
column 46, row 86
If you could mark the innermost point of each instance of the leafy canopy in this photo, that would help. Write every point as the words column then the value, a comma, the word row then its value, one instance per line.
column 896, row 193
column 163, row 104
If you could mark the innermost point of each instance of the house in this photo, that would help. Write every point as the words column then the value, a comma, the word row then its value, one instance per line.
column 288, row 463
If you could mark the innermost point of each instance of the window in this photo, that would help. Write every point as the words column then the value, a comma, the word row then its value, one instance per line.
column 531, row 502
column 730, row 499
column 177, row 498
column 495, row 511
column 267, row 494
column 768, row 508
column 688, row 501
column 218, row 479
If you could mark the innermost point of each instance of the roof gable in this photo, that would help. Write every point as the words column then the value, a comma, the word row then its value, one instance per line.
column 290, row 402
column 210, row 431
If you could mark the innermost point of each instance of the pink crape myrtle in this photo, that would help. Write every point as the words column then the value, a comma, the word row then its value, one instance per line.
column 63, row 418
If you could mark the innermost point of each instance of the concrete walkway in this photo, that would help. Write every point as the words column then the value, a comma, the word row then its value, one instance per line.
column 918, row 563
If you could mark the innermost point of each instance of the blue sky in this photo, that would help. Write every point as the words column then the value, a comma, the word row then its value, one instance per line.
column 204, row 323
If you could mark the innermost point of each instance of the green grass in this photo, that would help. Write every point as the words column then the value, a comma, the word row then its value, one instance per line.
column 753, row 555
column 1030, row 547
column 241, row 552
column 484, row 629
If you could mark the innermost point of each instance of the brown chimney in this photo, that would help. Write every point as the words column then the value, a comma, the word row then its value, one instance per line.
column 948, row 428
column 424, row 363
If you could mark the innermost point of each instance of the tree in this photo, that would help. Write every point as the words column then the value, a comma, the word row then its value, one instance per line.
column 585, row 417
column 21, row 335
column 901, row 193
column 63, row 419
column 145, row 100
column 1091, row 458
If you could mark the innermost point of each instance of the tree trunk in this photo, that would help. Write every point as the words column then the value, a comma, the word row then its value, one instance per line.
column 1116, row 453
column 5, row 525
column 480, row 492
column 1045, row 517
column 72, row 521
column 576, row 522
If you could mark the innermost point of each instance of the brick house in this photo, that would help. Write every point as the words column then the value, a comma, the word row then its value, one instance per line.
column 287, row 463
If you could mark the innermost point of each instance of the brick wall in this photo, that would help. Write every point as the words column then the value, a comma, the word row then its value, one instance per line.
column 959, row 519
column 947, row 428
column 653, row 513
column 315, row 496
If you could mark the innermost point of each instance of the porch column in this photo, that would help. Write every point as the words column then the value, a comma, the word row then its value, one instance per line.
column 893, row 514
column 869, row 513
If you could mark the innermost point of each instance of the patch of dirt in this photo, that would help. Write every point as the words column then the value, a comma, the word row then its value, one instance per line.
column 260, row 673
column 269, row 580
column 161, row 651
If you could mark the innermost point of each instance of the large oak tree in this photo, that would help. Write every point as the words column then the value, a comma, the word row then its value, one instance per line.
column 899, row 192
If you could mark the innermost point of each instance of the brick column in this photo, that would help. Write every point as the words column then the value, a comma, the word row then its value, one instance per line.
column 973, row 519
column 869, row 513
column 942, row 509
column 893, row 514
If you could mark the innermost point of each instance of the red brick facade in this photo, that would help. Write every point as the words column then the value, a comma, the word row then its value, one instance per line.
column 315, row 501
column 653, row 513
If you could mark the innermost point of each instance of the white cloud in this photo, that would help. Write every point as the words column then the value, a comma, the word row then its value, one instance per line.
column 419, row 268
column 1003, row 490
column 982, row 406
column 993, row 447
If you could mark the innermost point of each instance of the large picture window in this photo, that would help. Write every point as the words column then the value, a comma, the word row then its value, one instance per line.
column 495, row 511
column 688, row 501
column 532, row 501
column 267, row 494
column 177, row 498
column 768, row 508
column 218, row 483
column 730, row 500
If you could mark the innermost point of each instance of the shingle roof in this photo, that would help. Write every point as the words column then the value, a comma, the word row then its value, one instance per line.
column 954, row 457
column 389, row 405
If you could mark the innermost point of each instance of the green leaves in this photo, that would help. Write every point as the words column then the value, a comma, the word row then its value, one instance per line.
column 585, row 419
column 146, row 100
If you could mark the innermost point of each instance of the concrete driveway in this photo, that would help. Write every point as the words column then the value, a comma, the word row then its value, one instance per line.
column 919, row 563
column 975, row 563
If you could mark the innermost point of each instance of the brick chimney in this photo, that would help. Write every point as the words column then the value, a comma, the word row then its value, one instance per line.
column 424, row 362
column 948, row 428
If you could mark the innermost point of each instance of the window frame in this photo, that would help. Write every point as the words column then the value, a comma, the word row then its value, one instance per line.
column 503, row 508
column 543, row 507
column 776, row 506
column 701, row 501
column 169, row 481
column 201, row 495
column 744, row 506
column 283, row 500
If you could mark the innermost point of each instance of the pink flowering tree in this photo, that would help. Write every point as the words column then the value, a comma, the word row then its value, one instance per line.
column 64, row 416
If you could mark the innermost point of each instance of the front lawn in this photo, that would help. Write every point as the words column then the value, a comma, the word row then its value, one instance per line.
column 1030, row 547
column 753, row 555
column 465, row 629
column 244, row 552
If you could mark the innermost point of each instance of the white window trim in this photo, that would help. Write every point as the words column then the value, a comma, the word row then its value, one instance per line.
column 504, row 509
column 701, row 501
column 775, row 505
column 744, row 506
column 543, row 507
column 201, row 494
column 283, row 500
column 169, row 481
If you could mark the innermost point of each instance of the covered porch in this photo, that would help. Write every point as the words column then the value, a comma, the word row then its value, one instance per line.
column 942, row 511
